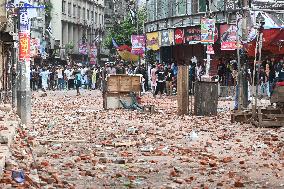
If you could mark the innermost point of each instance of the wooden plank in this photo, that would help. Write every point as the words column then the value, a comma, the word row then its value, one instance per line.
column 123, row 83
column 182, row 90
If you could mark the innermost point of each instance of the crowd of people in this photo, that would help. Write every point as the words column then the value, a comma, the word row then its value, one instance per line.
column 159, row 78
column 63, row 78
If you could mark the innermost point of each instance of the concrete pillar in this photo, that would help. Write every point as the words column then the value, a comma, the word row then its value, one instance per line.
column 75, row 38
column 70, row 33
column 24, row 92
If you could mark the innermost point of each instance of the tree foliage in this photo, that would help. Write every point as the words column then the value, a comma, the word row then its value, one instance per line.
column 121, row 32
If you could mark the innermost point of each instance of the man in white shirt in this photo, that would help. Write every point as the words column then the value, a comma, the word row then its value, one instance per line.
column 60, row 78
column 67, row 74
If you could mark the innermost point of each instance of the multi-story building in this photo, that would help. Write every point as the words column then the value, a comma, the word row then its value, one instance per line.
column 115, row 11
column 174, row 26
column 6, row 48
column 77, row 22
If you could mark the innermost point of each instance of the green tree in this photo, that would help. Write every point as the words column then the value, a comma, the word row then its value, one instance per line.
column 121, row 32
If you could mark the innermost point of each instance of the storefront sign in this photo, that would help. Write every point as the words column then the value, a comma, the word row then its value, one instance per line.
column 228, row 37
column 192, row 35
column 93, row 54
column 179, row 36
column 207, row 30
column 153, row 41
column 83, row 48
column 138, row 44
column 25, row 45
column 269, row 5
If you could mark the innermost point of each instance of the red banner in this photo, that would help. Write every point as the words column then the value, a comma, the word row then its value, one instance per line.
column 25, row 46
column 179, row 36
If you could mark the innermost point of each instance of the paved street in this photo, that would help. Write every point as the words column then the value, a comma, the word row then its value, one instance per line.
column 76, row 144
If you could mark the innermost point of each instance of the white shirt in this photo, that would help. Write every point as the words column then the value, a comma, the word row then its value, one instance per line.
column 59, row 74
column 67, row 73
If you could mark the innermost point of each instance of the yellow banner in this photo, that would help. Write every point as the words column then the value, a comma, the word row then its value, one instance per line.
column 153, row 41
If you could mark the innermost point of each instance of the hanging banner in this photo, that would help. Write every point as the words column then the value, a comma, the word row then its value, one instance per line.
column 165, row 38
column 228, row 37
column 35, row 47
column 210, row 49
column 24, row 46
column 153, row 41
column 138, row 44
column 179, row 36
column 83, row 49
column 93, row 54
column 171, row 36
column 24, row 20
column 192, row 35
column 207, row 30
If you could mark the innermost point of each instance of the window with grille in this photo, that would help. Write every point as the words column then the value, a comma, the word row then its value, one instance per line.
column 69, row 9
column 63, row 6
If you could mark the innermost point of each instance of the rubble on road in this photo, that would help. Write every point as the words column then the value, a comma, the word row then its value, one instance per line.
column 73, row 143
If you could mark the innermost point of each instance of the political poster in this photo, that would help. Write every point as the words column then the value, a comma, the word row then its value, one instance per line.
column 24, row 46
column 207, row 30
column 93, row 54
column 228, row 37
column 138, row 44
column 83, row 48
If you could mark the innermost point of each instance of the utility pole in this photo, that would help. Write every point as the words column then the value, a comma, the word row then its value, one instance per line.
column 23, row 67
column 244, row 70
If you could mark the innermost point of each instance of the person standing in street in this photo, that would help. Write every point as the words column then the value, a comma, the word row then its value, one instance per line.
column 78, row 81
column 94, row 78
column 60, row 76
column 44, row 77
column 153, row 79
column 160, row 81
column 169, row 81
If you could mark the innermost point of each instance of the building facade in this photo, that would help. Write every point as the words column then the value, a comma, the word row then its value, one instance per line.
column 115, row 12
column 75, row 23
column 6, row 49
column 175, row 25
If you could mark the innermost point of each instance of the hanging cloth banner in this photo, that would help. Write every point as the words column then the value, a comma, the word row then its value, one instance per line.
column 153, row 40
column 83, row 48
column 138, row 44
column 93, row 54
column 228, row 37
column 207, row 30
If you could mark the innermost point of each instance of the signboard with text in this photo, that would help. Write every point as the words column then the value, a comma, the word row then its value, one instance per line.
column 24, row 46
column 268, row 4
column 192, row 35
column 179, row 36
